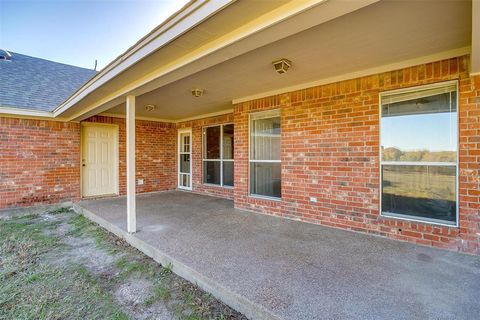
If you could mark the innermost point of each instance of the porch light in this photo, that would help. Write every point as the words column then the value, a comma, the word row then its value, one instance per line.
column 150, row 107
column 281, row 66
column 197, row 92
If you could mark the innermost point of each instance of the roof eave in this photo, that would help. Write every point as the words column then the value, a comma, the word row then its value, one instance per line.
column 180, row 22
column 22, row 112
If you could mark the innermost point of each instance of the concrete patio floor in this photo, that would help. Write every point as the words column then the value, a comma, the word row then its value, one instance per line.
column 272, row 268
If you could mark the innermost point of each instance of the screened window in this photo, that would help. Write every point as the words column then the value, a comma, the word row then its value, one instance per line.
column 265, row 165
column 419, row 142
column 218, row 155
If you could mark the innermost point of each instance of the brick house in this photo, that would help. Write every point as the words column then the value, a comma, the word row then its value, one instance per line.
column 361, row 115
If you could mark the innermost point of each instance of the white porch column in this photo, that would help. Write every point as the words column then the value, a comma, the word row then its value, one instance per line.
column 131, row 207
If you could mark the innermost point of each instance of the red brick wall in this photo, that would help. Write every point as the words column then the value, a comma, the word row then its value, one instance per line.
column 330, row 150
column 39, row 162
column 197, row 127
column 155, row 144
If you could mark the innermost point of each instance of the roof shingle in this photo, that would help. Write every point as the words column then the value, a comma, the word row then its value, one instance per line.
column 37, row 84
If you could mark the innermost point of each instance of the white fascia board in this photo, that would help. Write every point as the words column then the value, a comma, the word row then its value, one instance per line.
column 188, row 18
column 27, row 113
column 155, row 119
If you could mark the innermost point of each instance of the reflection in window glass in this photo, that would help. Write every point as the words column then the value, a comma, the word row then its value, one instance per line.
column 265, row 179
column 218, row 150
column 185, row 163
column 228, row 141
column 212, row 143
column 421, row 191
column 423, row 129
column 228, row 173
column 212, row 172
column 419, row 140
column 265, row 135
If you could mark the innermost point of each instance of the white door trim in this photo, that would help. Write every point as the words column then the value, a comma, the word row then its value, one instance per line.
column 180, row 131
column 116, row 154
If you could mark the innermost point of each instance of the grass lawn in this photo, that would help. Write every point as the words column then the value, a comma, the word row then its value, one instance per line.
column 58, row 265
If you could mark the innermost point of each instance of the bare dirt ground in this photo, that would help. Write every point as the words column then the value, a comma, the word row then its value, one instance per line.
column 58, row 265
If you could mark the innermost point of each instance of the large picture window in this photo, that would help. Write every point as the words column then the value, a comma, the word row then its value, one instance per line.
column 419, row 142
column 265, row 165
column 218, row 155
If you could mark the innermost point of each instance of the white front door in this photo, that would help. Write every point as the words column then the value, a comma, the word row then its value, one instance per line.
column 184, row 159
column 99, row 168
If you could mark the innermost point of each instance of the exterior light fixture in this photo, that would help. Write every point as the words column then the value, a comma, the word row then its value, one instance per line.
column 150, row 107
column 197, row 92
column 281, row 66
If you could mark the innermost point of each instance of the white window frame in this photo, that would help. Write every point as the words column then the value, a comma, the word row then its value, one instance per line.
column 221, row 160
column 179, row 155
column 255, row 116
column 406, row 163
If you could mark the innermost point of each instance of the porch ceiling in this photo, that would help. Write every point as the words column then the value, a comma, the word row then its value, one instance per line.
column 380, row 34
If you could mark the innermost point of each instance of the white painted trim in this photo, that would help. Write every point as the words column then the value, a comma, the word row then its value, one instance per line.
column 131, row 179
column 179, row 153
column 201, row 116
column 357, row 74
column 59, row 119
column 116, row 151
column 122, row 116
column 39, row 116
column 205, row 115
column 26, row 112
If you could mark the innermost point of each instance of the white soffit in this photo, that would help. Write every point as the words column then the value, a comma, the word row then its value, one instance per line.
column 363, row 42
column 247, row 37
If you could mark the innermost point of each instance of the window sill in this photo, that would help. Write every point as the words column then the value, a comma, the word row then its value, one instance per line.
column 217, row 186
column 419, row 220
column 259, row 197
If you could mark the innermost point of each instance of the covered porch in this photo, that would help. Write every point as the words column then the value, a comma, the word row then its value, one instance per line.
column 272, row 268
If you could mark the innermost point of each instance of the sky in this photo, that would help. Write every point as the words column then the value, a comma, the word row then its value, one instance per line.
column 77, row 32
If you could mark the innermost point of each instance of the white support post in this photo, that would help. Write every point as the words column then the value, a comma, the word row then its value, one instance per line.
column 131, row 206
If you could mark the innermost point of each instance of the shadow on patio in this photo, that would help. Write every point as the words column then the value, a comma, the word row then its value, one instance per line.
column 269, row 268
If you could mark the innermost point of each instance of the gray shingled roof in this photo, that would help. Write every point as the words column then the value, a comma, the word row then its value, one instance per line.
column 37, row 84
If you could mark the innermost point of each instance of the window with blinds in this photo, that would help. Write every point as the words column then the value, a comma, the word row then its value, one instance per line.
column 419, row 143
column 265, row 164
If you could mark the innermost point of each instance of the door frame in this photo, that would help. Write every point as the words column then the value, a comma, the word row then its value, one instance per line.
column 116, row 152
column 179, row 133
